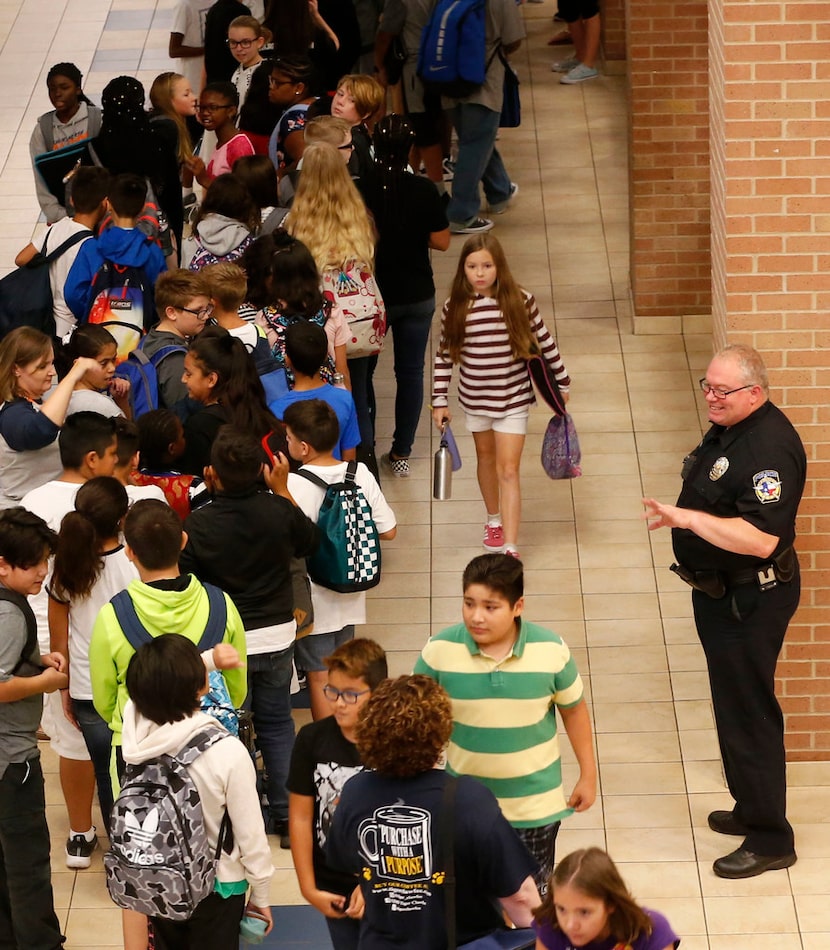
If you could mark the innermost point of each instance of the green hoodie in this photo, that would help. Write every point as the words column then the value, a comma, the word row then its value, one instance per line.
column 160, row 611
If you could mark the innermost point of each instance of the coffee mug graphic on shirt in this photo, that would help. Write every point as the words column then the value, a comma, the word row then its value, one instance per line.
column 396, row 841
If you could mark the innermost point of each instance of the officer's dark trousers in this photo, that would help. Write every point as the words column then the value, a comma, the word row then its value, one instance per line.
column 741, row 655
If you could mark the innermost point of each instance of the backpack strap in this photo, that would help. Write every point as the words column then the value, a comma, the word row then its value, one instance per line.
column 163, row 352
column 22, row 604
column 137, row 634
column 351, row 472
column 133, row 629
column 61, row 249
column 217, row 618
column 314, row 479
column 191, row 751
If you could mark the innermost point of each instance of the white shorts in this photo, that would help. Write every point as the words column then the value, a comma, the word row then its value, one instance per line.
column 67, row 741
column 514, row 423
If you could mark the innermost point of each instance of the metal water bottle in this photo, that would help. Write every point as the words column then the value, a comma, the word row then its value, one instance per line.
column 442, row 469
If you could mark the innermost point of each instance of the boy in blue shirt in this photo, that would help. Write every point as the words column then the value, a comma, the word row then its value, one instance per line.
column 306, row 346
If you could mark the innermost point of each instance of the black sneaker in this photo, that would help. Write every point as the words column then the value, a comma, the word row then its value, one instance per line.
column 79, row 851
column 476, row 226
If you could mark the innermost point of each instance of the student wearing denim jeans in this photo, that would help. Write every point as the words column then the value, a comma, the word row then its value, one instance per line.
column 410, row 218
column 476, row 121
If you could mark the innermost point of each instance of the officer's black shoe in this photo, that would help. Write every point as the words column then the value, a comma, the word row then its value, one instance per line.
column 743, row 863
column 725, row 823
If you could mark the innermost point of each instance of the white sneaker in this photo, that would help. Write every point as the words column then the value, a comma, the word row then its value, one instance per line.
column 565, row 65
column 501, row 206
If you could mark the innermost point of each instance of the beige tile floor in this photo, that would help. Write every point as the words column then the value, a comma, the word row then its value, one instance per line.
column 593, row 572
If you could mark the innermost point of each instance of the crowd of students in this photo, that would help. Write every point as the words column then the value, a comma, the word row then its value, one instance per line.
column 172, row 479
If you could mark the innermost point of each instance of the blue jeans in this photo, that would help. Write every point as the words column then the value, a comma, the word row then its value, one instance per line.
column 98, row 738
column 478, row 161
column 27, row 912
column 269, row 699
column 361, row 370
column 410, row 324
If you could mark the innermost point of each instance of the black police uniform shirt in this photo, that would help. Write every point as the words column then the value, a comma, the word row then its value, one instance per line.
column 753, row 470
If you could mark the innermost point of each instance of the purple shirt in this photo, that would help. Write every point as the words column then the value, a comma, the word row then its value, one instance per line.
column 661, row 936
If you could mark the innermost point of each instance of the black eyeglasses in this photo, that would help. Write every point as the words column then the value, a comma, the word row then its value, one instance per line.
column 210, row 108
column 240, row 44
column 349, row 696
column 348, row 145
column 281, row 82
column 201, row 314
column 720, row 393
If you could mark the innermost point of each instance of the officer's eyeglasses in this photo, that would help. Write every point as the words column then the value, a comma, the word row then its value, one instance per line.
column 720, row 393
column 349, row 696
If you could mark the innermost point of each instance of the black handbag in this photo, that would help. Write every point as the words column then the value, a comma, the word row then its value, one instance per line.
column 394, row 60
column 543, row 379
column 511, row 107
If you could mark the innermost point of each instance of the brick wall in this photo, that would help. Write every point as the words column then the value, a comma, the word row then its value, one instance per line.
column 613, row 30
column 667, row 51
column 770, row 116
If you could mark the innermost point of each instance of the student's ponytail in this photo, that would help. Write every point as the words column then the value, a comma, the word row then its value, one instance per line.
column 238, row 387
column 100, row 506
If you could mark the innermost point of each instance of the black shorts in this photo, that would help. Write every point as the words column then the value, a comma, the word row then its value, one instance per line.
column 428, row 125
column 573, row 10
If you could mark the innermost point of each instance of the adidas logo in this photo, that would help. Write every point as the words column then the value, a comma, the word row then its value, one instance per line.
column 142, row 834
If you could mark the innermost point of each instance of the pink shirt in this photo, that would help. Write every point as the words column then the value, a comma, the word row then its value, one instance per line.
column 226, row 155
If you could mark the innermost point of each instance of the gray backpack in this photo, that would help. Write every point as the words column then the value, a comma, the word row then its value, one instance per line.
column 160, row 862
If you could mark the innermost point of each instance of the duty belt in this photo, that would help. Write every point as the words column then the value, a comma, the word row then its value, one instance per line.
column 767, row 575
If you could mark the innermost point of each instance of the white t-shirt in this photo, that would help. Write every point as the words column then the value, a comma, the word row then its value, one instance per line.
column 189, row 20
column 248, row 334
column 141, row 492
column 51, row 501
column 59, row 232
column 115, row 576
column 87, row 400
column 332, row 610
column 241, row 78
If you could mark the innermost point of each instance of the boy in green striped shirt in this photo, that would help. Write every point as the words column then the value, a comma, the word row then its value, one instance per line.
column 506, row 677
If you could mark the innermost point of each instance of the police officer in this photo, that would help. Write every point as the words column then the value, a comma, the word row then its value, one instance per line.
column 732, row 531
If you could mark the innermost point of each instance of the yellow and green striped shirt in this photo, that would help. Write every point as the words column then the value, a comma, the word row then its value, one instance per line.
column 504, row 717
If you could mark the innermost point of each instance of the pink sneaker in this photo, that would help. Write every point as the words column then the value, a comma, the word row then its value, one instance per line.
column 512, row 552
column 493, row 538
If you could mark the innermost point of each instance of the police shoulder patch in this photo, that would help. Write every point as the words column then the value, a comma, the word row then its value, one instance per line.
column 767, row 486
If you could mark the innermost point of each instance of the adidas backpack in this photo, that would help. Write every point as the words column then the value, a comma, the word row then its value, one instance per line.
column 160, row 862
column 451, row 57
column 348, row 558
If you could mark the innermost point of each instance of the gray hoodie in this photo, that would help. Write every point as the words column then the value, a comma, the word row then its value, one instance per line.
column 217, row 234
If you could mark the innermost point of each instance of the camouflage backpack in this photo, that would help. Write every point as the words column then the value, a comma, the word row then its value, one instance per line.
column 160, row 862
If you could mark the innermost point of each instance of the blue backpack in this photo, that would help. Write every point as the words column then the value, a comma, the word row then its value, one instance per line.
column 451, row 57
column 217, row 701
column 141, row 371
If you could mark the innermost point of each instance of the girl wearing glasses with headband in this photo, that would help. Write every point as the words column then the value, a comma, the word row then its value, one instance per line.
column 324, row 759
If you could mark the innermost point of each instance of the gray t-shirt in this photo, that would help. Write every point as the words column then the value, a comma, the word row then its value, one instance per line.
column 18, row 720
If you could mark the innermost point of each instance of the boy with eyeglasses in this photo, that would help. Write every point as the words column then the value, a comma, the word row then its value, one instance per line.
column 324, row 759
column 183, row 304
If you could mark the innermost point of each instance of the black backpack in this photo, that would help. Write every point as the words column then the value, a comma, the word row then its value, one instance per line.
column 26, row 293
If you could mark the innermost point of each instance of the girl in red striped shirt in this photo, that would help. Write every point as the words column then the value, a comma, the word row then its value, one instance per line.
column 490, row 326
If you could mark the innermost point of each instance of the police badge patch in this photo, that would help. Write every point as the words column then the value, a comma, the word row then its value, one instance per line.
column 719, row 468
column 767, row 487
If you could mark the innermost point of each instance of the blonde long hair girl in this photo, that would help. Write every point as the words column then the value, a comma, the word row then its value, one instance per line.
column 169, row 93
column 330, row 218
column 328, row 214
